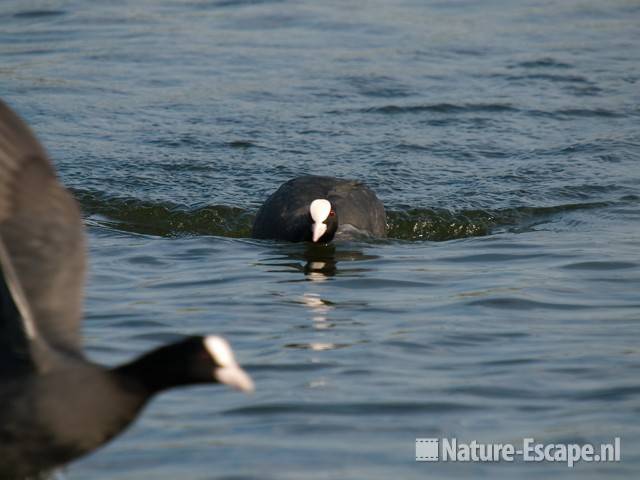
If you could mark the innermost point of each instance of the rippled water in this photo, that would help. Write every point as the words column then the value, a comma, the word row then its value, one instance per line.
column 502, row 137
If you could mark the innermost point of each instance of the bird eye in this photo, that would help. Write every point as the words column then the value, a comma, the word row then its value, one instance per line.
column 332, row 213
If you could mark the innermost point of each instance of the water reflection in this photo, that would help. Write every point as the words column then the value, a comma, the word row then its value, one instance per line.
column 319, row 310
column 317, row 346
column 319, row 262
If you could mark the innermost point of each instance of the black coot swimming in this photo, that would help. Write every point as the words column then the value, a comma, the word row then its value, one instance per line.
column 315, row 209
column 55, row 405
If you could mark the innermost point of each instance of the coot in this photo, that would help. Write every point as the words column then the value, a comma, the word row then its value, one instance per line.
column 55, row 405
column 315, row 209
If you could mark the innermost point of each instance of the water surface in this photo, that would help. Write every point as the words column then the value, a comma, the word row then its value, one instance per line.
column 503, row 139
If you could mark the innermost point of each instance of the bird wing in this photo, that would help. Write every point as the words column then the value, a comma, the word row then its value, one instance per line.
column 359, row 206
column 16, row 322
column 41, row 250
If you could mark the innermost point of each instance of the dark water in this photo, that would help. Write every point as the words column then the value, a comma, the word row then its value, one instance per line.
column 504, row 139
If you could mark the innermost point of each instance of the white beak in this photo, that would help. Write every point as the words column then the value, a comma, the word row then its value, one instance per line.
column 318, row 229
column 319, row 211
column 235, row 377
column 228, row 372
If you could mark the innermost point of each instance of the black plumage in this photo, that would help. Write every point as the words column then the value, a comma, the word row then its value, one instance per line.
column 285, row 214
column 55, row 405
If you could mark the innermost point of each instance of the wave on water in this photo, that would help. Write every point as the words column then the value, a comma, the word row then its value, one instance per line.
column 164, row 219
column 491, row 108
column 171, row 220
